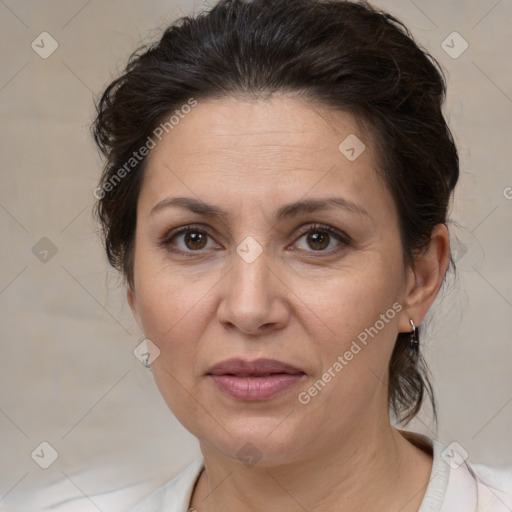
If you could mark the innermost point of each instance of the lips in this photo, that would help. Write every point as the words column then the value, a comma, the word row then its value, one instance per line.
column 254, row 380
column 258, row 368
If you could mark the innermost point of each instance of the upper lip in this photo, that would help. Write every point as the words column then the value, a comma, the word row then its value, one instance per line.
column 239, row 366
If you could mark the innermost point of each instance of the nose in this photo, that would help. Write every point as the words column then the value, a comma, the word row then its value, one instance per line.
column 254, row 296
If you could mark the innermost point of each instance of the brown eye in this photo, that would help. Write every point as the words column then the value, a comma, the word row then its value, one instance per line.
column 187, row 241
column 318, row 238
column 195, row 240
column 192, row 241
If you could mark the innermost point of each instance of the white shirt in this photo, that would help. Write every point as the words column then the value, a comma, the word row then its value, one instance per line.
column 454, row 485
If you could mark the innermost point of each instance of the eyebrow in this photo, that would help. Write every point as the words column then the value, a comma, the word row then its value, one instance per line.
column 285, row 212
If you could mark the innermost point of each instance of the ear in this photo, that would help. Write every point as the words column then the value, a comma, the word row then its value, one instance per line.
column 425, row 278
column 132, row 301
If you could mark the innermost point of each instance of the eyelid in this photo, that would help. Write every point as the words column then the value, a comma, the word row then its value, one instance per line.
column 342, row 237
column 165, row 240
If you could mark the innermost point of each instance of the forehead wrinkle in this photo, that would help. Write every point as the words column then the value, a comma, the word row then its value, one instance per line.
column 285, row 148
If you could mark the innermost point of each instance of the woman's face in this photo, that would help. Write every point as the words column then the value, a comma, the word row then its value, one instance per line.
column 260, row 281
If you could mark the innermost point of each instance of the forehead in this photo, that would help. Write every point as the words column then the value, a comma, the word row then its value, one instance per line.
column 266, row 151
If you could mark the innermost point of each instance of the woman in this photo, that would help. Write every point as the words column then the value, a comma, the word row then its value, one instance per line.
column 276, row 191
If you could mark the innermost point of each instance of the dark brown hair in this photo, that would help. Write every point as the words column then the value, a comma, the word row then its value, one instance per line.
column 345, row 55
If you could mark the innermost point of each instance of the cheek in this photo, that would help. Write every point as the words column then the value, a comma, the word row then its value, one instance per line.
column 167, row 293
column 170, row 316
column 167, row 312
column 350, row 301
column 166, row 303
column 357, row 315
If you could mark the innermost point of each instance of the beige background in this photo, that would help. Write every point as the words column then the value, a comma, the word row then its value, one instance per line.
column 67, row 372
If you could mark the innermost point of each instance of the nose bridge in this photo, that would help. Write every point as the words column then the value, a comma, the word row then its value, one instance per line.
column 252, row 256
column 252, row 291
column 251, row 274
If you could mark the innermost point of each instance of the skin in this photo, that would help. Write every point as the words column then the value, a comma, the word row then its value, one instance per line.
column 295, row 303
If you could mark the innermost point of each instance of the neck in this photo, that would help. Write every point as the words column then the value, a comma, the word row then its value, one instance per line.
column 372, row 469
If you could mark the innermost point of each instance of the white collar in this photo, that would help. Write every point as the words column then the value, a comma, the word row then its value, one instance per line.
column 449, row 489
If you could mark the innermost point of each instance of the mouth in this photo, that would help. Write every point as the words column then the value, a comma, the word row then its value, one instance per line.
column 254, row 380
column 257, row 368
column 255, row 375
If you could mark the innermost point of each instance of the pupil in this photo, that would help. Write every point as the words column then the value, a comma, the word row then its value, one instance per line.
column 315, row 240
column 195, row 238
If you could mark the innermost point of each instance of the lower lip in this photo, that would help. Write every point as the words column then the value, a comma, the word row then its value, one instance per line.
column 256, row 388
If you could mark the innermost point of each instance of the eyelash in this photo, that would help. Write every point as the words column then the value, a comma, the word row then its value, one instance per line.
column 165, row 242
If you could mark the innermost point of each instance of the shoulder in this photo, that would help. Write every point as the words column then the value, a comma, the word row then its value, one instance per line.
column 474, row 487
column 494, row 488
column 459, row 486
column 175, row 495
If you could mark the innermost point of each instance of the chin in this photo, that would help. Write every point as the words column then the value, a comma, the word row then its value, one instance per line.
column 262, row 442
